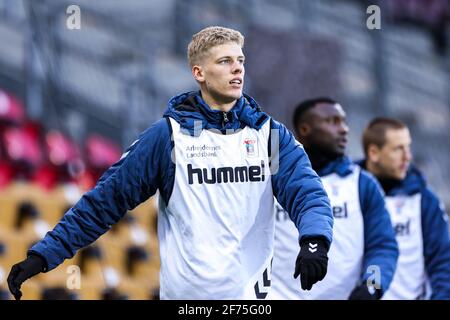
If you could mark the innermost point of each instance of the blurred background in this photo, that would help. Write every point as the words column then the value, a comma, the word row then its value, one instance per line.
column 72, row 100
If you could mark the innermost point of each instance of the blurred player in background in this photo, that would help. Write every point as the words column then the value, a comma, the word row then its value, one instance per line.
column 209, row 158
column 418, row 217
column 363, row 240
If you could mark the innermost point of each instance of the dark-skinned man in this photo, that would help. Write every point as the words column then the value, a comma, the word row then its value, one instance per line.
column 364, row 252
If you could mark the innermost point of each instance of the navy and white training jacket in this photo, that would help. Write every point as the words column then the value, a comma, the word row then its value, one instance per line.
column 217, row 174
column 364, row 249
column 421, row 227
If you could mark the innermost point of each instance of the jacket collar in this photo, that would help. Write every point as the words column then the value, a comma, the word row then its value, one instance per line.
column 413, row 183
column 194, row 114
column 341, row 166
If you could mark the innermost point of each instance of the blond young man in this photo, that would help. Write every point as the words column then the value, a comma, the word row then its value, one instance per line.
column 217, row 160
column 418, row 216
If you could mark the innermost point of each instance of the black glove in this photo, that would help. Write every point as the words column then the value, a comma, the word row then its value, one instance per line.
column 312, row 262
column 362, row 292
column 22, row 271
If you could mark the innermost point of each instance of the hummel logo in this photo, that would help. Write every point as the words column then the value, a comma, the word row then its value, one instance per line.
column 312, row 247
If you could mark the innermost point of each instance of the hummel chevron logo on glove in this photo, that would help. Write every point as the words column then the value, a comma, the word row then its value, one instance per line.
column 312, row 262
column 312, row 247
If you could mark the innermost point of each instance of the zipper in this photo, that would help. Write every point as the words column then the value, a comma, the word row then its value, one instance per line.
column 225, row 117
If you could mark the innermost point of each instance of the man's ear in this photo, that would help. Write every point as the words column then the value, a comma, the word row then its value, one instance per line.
column 198, row 74
column 304, row 129
column 373, row 153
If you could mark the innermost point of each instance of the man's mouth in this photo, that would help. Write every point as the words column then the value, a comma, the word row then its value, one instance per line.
column 236, row 82
column 342, row 142
column 404, row 167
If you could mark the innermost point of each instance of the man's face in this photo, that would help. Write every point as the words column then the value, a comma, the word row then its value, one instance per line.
column 325, row 129
column 392, row 160
column 221, row 72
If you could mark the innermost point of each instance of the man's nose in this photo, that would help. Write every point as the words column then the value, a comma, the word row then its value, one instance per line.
column 343, row 128
column 237, row 67
column 408, row 155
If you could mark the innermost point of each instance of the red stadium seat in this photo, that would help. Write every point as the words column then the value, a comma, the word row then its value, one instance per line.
column 22, row 148
column 101, row 152
column 63, row 161
column 6, row 174
column 11, row 108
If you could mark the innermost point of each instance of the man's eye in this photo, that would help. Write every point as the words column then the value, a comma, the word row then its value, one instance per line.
column 224, row 61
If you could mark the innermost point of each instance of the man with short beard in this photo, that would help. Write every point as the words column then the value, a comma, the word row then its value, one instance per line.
column 418, row 216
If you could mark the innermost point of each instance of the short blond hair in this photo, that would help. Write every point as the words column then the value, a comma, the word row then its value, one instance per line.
column 210, row 37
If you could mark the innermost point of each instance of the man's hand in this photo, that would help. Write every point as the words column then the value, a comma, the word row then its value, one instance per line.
column 22, row 271
column 312, row 262
column 362, row 292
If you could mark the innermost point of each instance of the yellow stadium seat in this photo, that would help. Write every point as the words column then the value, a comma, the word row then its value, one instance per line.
column 135, row 289
column 91, row 288
column 31, row 290
column 145, row 213
column 16, row 244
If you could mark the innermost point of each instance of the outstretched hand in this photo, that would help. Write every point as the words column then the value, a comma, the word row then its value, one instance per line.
column 312, row 262
column 22, row 271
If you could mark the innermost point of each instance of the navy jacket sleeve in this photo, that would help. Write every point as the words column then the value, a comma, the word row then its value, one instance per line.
column 132, row 180
column 436, row 242
column 380, row 247
column 297, row 187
